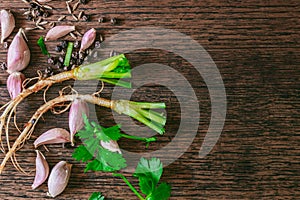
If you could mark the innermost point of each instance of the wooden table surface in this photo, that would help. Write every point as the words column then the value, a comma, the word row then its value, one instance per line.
column 255, row 45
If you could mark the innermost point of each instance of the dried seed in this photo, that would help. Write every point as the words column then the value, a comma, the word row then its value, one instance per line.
column 40, row 27
column 74, row 17
column 78, row 33
column 46, row 14
column 38, row 21
column 70, row 1
column 30, row 29
column 101, row 39
column 48, row 7
column 37, row 3
column 33, row 13
column 75, row 6
column 64, row 44
column 113, row 21
column 69, row 8
column 73, row 36
column 80, row 15
column 52, row 24
column 61, row 18
column 26, row 1
column 43, row 23
column 61, row 59
column 27, row 12
column 58, row 48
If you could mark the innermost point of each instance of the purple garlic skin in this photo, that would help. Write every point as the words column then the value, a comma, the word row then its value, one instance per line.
column 59, row 178
column 18, row 55
column 7, row 24
column 58, row 32
column 14, row 84
column 78, row 108
column 111, row 146
column 42, row 170
column 88, row 39
column 53, row 136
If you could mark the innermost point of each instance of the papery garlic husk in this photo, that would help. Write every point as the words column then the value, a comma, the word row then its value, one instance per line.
column 59, row 178
column 112, row 146
column 18, row 55
column 88, row 39
column 42, row 170
column 78, row 108
column 53, row 136
column 7, row 24
column 58, row 32
column 14, row 84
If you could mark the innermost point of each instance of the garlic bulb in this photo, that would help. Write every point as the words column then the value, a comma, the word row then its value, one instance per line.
column 53, row 136
column 7, row 24
column 42, row 170
column 78, row 108
column 18, row 55
column 59, row 178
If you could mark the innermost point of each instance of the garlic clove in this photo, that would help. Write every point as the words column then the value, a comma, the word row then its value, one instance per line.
column 58, row 32
column 53, row 136
column 59, row 178
column 78, row 108
column 18, row 55
column 88, row 39
column 7, row 24
column 14, row 84
column 111, row 146
column 42, row 170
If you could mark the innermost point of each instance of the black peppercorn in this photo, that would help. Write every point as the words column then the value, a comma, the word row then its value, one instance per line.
column 29, row 17
column 86, row 17
column 76, row 44
column 3, row 66
column 58, row 48
column 46, row 14
column 34, row 5
column 51, row 60
column 61, row 59
column 97, row 44
column 66, row 68
column 81, row 55
column 75, row 55
column 58, row 65
column 84, row 2
column 64, row 44
column 39, row 13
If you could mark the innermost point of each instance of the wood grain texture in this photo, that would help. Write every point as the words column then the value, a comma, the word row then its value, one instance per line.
column 255, row 45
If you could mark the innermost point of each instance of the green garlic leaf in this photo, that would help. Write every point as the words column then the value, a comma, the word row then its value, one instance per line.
column 96, row 196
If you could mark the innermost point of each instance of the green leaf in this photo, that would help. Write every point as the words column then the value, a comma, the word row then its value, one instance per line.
column 68, row 54
column 113, row 132
column 42, row 45
column 82, row 154
column 162, row 192
column 96, row 196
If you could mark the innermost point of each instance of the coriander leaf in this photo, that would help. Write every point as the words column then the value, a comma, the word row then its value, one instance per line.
column 162, row 192
column 96, row 196
column 151, row 169
column 113, row 132
column 111, row 159
column 82, row 154
column 146, row 185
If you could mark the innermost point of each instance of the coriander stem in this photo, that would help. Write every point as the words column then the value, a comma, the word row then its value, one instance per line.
column 132, row 137
column 130, row 186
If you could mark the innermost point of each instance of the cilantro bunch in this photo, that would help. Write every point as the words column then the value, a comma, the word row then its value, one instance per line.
column 98, row 158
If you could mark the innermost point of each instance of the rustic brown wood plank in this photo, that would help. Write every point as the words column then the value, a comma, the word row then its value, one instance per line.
column 255, row 45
